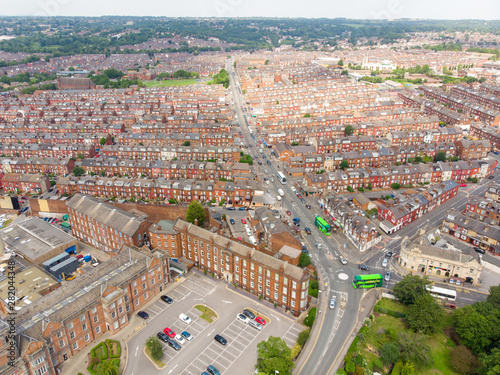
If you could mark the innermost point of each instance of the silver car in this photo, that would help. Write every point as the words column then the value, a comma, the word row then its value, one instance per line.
column 255, row 325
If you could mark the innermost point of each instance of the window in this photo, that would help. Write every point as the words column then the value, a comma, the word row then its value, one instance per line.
column 70, row 325
column 284, row 299
column 135, row 292
column 96, row 319
column 267, row 291
column 252, row 266
column 59, row 334
column 146, row 295
column 43, row 369
column 268, row 283
column 137, row 302
column 94, row 310
column 120, row 309
column 251, row 284
column 144, row 286
column 84, row 326
column 82, row 318
column 135, row 283
column 75, row 345
column 113, row 314
column 51, row 350
column 128, row 308
column 276, row 295
column 87, row 337
column 72, row 335
column 61, row 344
column 38, row 360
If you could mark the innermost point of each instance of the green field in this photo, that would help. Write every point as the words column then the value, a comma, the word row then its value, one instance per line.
column 170, row 82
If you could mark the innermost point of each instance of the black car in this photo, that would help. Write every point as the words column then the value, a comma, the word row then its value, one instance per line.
column 479, row 250
column 364, row 267
column 143, row 314
column 167, row 299
column 268, row 162
column 163, row 337
column 491, row 177
column 174, row 345
column 388, row 255
column 308, row 206
column 308, row 231
column 220, row 339
column 249, row 314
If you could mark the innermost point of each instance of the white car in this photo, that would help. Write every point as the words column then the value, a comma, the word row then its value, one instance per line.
column 181, row 340
column 293, row 189
column 243, row 318
column 332, row 303
column 185, row 318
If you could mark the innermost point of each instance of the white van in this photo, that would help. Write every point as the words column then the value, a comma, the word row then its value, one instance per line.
column 384, row 262
column 252, row 239
column 278, row 197
column 281, row 192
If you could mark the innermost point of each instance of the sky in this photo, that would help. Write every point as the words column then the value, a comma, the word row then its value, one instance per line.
column 360, row 9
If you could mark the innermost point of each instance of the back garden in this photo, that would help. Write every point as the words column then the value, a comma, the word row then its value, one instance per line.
column 105, row 358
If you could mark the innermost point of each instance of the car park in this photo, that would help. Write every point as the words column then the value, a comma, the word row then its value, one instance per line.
column 184, row 318
column 243, row 318
column 364, row 267
column 260, row 320
column 255, row 325
column 221, row 340
column 387, row 276
column 212, row 370
column 180, row 339
column 232, row 221
column 308, row 231
column 332, row 303
column 169, row 332
column 167, row 299
column 162, row 336
column 249, row 314
column 143, row 314
column 342, row 260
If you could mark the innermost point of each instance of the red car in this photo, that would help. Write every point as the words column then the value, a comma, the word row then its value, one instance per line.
column 288, row 213
column 169, row 332
column 260, row 320
column 243, row 221
column 463, row 185
column 299, row 196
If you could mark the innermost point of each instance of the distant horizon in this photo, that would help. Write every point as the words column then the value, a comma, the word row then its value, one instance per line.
column 457, row 10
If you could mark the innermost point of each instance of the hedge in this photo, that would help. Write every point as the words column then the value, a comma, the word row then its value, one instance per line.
column 105, row 351
column 110, row 342
column 383, row 310
column 311, row 316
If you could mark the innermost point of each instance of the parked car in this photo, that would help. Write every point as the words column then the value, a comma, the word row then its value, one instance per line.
column 24, row 209
column 255, row 325
column 242, row 209
column 231, row 208
column 167, row 299
column 180, row 339
column 479, row 250
column 342, row 260
column 243, row 318
column 299, row 196
column 332, row 303
column 463, row 185
column 243, row 221
column 260, row 320
column 364, row 267
column 212, row 370
column 296, row 220
column 162, row 336
column 169, row 332
column 308, row 231
column 143, row 314
column 288, row 212
column 387, row 276
column 220, row 339
column 186, row 319
column 174, row 345
column 303, row 200
column 249, row 314
column 232, row 221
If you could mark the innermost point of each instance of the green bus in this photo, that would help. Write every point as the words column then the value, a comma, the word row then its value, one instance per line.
column 367, row 281
column 323, row 225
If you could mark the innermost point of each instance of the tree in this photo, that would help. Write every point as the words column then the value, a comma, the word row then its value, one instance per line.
column 407, row 369
column 490, row 363
column 395, row 186
column 474, row 329
column 425, row 315
column 78, row 171
column 348, row 130
column 441, row 156
column 350, row 189
column 344, row 164
column 494, row 296
column 307, row 115
column 340, row 62
column 414, row 348
column 108, row 368
column 102, row 141
column 186, row 143
column 195, row 211
column 303, row 336
column 389, row 353
column 463, row 361
column 155, row 348
column 410, row 288
column 274, row 355
column 304, row 260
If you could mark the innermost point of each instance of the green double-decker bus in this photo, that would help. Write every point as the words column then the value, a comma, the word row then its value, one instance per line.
column 323, row 225
column 367, row 281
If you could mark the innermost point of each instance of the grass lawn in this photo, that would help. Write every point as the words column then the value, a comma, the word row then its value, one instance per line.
column 208, row 314
column 392, row 305
column 99, row 352
column 440, row 351
column 377, row 336
column 158, row 363
column 170, row 82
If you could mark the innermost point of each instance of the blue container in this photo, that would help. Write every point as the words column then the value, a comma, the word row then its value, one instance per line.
column 87, row 258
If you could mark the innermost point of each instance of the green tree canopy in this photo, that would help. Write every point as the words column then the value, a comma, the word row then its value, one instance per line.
column 304, row 260
column 108, row 368
column 411, row 287
column 274, row 355
column 78, row 171
column 494, row 296
column 425, row 315
column 102, row 141
column 475, row 330
column 195, row 211
column 155, row 348
column 389, row 353
column 344, row 164
column 340, row 62
column 414, row 348
column 490, row 363
column 463, row 361
column 348, row 130
column 441, row 156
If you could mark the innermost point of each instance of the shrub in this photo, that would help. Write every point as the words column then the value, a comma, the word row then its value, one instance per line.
column 309, row 319
column 389, row 353
column 296, row 351
column 303, row 336
column 341, row 371
column 377, row 365
column 397, row 368
column 118, row 348
column 350, row 366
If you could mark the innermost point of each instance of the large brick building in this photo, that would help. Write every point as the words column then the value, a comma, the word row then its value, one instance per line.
column 104, row 226
column 80, row 313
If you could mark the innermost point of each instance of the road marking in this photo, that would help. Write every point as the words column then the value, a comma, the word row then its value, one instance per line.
column 274, row 316
column 226, row 301
column 136, row 350
column 211, row 332
column 173, row 368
